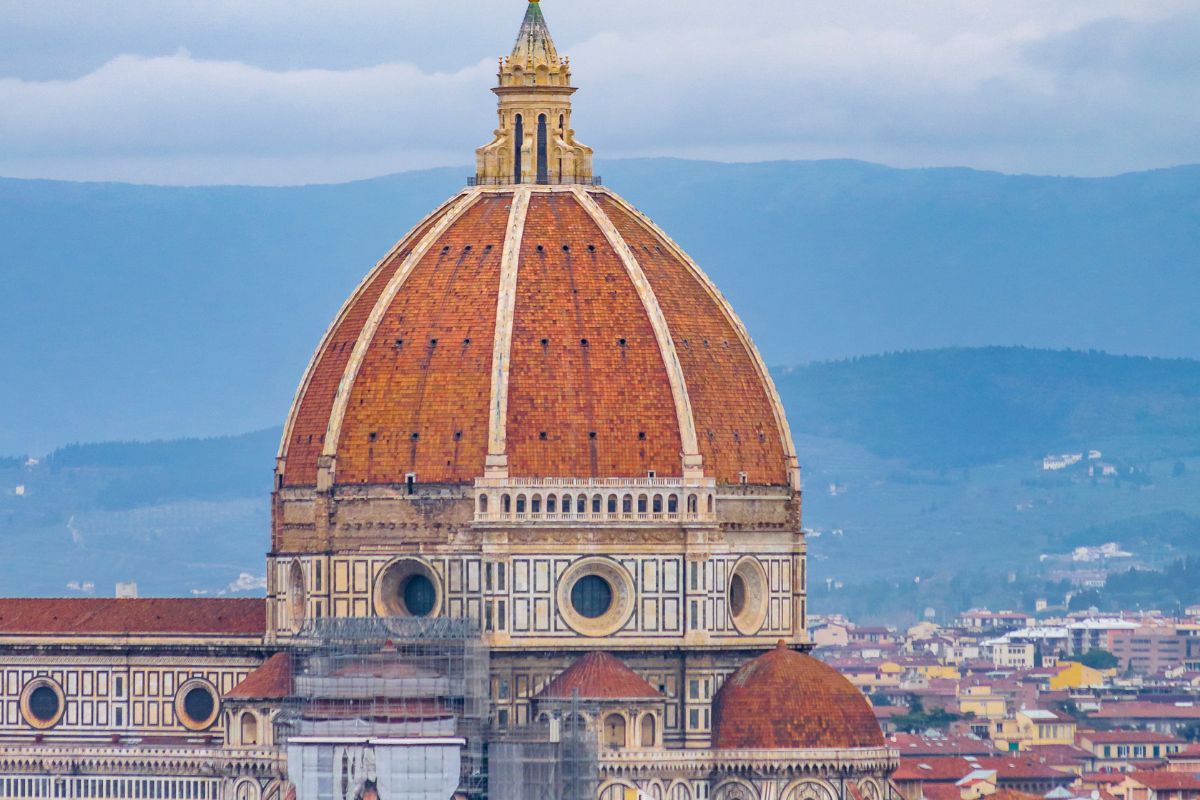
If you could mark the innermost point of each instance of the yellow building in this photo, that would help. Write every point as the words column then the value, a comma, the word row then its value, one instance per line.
column 983, row 703
column 1075, row 675
column 1034, row 728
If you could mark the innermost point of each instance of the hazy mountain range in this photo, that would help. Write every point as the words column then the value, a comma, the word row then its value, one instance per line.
column 134, row 312
column 141, row 313
column 916, row 465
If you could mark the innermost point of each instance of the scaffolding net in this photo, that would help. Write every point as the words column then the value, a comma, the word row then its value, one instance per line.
column 554, row 758
column 387, row 709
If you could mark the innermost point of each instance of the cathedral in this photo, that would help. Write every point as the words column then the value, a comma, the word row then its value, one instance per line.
column 536, row 532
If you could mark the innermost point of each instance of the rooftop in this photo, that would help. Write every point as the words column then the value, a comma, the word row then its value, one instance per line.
column 142, row 616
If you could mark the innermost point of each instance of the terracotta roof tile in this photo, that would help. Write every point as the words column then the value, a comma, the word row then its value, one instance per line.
column 787, row 700
column 1161, row 781
column 87, row 616
column 599, row 676
column 272, row 680
column 941, row 791
column 424, row 408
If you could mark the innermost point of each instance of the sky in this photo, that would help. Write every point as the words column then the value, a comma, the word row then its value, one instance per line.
column 282, row 92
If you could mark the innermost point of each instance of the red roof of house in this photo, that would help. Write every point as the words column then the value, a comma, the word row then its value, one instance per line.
column 1102, row 777
column 1059, row 754
column 911, row 744
column 271, row 681
column 1132, row 737
column 1012, row 767
column 1138, row 709
column 1165, row 781
column 599, row 676
column 87, row 616
column 950, row 768
column 1012, row 794
column 941, row 791
column 938, row 769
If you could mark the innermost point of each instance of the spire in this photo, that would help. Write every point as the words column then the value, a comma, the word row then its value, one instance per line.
column 534, row 44
column 535, row 142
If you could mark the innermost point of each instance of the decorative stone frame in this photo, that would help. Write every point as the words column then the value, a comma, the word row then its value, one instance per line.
column 389, row 584
column 623, row 591
column 755, row 603
column 26, row 695
column 181, row 711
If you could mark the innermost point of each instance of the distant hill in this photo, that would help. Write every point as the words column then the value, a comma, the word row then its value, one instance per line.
column 915, row 465
column 964, row 407
column 133, row 312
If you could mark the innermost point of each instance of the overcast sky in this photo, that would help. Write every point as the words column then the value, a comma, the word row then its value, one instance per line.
column 298, row 91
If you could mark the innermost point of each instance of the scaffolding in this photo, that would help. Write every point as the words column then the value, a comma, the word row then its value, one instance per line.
column 388, row 708
column 554, row 758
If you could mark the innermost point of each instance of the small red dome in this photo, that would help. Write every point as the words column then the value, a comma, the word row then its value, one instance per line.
column 599, row 676
column 785, row 700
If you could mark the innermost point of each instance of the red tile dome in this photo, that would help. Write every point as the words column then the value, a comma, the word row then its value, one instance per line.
column 599, row 676
column 787, row 700
column 551, row 329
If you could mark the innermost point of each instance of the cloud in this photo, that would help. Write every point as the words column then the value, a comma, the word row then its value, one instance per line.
column 1089, row 88
column 246, row 582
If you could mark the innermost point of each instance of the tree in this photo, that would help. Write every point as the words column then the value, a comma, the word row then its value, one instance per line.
column 1191, row 732
column 1097, row 659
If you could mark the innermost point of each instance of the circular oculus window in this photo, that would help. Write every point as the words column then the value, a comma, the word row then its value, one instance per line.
column 197, row 705
column 42, row 703
column 407, row 587
column 746, row 596
column 595, row 596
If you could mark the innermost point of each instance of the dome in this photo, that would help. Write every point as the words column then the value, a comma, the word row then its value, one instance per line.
column 599, row 676
column 542, row 331
column 787, row 700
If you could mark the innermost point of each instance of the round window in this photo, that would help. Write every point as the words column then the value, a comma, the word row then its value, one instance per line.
column 737, row 595
column 595, row 596
column 196, row 705
column 592, row 596
column 407, row 587
column 748, row 596
column 43, row 704
column 420, row 595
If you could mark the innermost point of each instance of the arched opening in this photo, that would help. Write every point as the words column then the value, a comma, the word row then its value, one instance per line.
column 296, row 601
column 614, row 731
column 711, row 503
column 673, row 504
column 612, row 504
column 249, row 729
column 506, row 504
column 627, row 504
column 518, row 143
column 657, row 507
column 483, row 504
column 648, row 731
column 643, row 504
column 551, row 504
column 596, row 502
column 520, row 504
column 691, row 504
column 543, row 164
column 536, row 504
